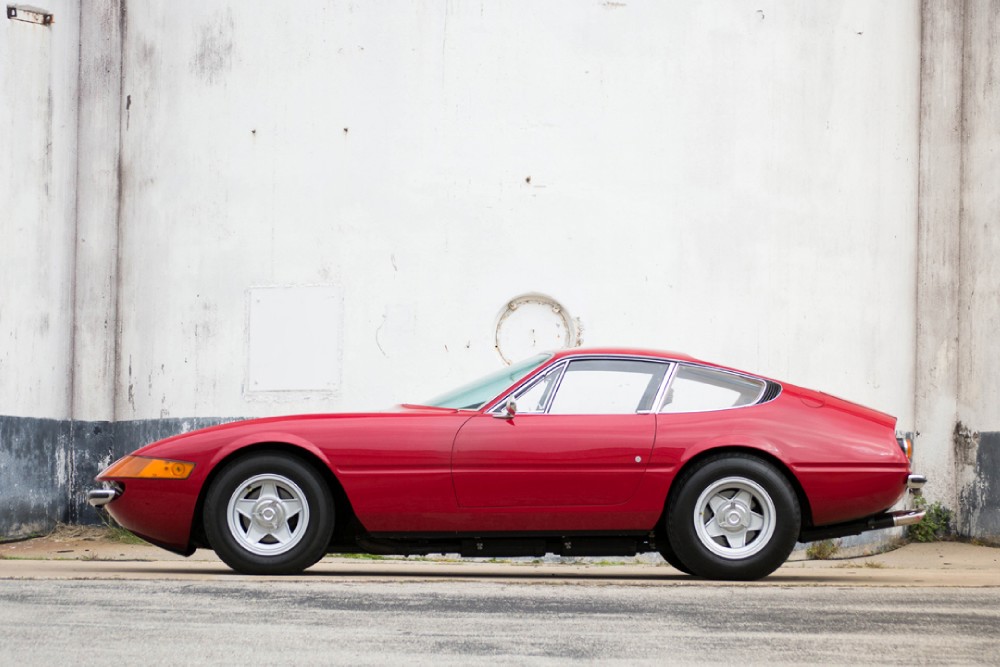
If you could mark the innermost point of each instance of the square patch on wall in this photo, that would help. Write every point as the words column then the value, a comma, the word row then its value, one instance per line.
column 294, row 339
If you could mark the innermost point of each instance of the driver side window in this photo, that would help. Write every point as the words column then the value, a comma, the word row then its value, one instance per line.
column 607, row 386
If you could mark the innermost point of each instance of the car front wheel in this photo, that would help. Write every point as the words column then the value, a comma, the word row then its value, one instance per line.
column 734, row 517
column 269, row 514
column 669, row 555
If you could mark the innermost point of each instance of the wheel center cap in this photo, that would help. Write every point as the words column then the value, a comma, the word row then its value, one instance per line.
column 269, row 514
column 732, row 517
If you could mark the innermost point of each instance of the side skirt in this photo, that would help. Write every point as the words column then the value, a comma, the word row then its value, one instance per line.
column 496, row 546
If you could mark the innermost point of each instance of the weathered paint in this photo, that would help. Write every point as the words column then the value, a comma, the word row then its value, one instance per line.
column 979, row 274
column 958, row 282
column 47, row 465
column 34, row 474
column 978, row 457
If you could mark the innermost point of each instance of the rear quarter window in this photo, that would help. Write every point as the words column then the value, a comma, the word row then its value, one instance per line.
column 697, row 389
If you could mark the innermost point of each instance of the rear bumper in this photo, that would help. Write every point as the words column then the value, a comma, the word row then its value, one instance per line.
column 880, row 521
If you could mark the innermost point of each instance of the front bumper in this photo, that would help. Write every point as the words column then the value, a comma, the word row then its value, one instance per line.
column 101, row 497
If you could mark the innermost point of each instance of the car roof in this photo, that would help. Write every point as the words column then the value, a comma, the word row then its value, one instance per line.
column 645, row 352
column 624, row 351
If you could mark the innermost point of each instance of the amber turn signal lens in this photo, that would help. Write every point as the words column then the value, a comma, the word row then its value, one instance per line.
column 907, row 445
column 140, row 467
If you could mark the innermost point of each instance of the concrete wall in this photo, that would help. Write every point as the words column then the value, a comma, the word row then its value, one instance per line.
column 98, row 192
column 938, row 241
column 958, row 286
column 735, row 183
column 977, row 438
column 38, row 80
column 38, row 86
column 249, row 211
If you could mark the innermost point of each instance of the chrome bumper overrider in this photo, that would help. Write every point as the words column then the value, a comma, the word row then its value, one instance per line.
column 915, row 483
column 101, row 497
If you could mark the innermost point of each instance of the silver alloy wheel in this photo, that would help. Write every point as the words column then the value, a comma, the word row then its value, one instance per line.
column 734, row 517
column 268, row 514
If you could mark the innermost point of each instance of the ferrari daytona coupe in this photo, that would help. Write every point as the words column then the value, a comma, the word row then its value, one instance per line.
column 602, row 452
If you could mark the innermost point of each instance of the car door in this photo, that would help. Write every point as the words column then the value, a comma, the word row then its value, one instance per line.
column 581, row 437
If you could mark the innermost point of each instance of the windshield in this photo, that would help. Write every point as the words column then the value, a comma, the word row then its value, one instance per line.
column 474, row 395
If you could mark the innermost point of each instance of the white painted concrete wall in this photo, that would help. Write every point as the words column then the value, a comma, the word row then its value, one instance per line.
column 958, row 282
column 98, row 192
column 978, row 445
column 979, row 354
column 38, row 85
column 939, row 239
column 735, row 181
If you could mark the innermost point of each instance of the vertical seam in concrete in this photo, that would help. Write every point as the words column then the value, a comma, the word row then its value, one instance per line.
column 76, row 221
column 959, row 289
column 116, row 315
column 960, row 269
column 919, row 222
column 71, row 449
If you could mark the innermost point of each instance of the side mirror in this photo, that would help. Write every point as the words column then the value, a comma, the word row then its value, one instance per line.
column 509, row 410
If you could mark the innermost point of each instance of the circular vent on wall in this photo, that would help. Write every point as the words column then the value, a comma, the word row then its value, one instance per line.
column 533, row 323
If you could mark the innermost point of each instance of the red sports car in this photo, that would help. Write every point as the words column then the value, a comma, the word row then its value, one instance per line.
column 603, row 452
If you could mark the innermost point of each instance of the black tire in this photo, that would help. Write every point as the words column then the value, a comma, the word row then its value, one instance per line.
column 733, row 517
column 670, row 556
column 269, row 513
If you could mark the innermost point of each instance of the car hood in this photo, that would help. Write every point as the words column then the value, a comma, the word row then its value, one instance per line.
column 233, row 428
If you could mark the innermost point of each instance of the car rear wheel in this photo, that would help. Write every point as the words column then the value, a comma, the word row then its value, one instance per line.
column 269, row 514
column 734, row 517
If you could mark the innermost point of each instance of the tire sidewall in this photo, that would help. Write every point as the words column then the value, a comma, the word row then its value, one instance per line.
column 306, row 552
column 669, row 555
column 681, row 528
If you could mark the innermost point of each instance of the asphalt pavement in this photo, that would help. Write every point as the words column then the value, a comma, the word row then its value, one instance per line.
column 92, row 602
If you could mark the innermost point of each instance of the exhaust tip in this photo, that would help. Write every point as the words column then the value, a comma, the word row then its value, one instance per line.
column 907, row 517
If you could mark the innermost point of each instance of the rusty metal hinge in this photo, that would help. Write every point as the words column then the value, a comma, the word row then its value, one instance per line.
column 29, row 15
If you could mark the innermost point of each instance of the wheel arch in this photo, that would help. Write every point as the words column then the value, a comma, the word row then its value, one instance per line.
column 781, row 466
column 342, row 508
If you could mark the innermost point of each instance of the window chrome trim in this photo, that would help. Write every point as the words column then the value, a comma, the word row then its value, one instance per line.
column 668, row 377
column 563, row 363
column 555, row 389
column 559, row 368
column 529, row 382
